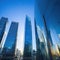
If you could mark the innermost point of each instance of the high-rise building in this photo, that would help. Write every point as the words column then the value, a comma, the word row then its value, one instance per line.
column 48, row 38
column 3, row 22
column 42, row 43
column 8, row 51
column 39, row 55
column 27, row 55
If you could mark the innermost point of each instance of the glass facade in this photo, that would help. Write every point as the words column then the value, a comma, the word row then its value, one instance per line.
column 42, row 42
column 47, row 18
column 49, row 39
column 10, row 43
column 41, row 22
column 3, row 22
column 39, row 55
column 27, row 55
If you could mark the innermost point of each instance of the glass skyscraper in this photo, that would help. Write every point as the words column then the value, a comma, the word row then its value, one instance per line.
column 3, row 22
column 48, row 35
column 49, row 39
column 42, row 42
column 8, row 51
column 40, row 20
column 39, row 55
column 27, row 55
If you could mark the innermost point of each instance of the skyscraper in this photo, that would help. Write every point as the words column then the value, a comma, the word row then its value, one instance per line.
column 8, row 51
column 39, row 55
column 48, row 38
column 42, row 43
column 27, row 55
column 3, row 22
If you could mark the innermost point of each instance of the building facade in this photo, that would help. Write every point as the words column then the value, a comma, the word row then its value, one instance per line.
column 3, row 22
column 49, row 39
column 42, row 43
column 39, row 55
column 8, row 51
column 27, row 55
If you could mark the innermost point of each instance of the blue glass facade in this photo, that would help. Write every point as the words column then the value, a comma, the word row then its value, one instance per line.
column 41, row 42
column 3, row 22
column 10, row 43
column 27, row 55
column 39, row 55
column 48, row 35
column 49, row 39
column 41, row 22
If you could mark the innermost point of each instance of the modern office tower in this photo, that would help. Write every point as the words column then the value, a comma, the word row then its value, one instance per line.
column 3, row 22
column 8, row 51
column 27, row 55
column 48, row 38
column 42, row 43
column 39, row 55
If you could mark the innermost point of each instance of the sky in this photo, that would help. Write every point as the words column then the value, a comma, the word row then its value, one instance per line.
column 16, row 10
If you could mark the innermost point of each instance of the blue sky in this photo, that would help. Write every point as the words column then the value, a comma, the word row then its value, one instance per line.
column 16, row 10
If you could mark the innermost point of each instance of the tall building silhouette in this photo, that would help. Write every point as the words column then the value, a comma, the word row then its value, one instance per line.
column 27, row 55
column 3, row 22
column 39, row 55
column 8, row 51
column 49, row 39
column 42, row 43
